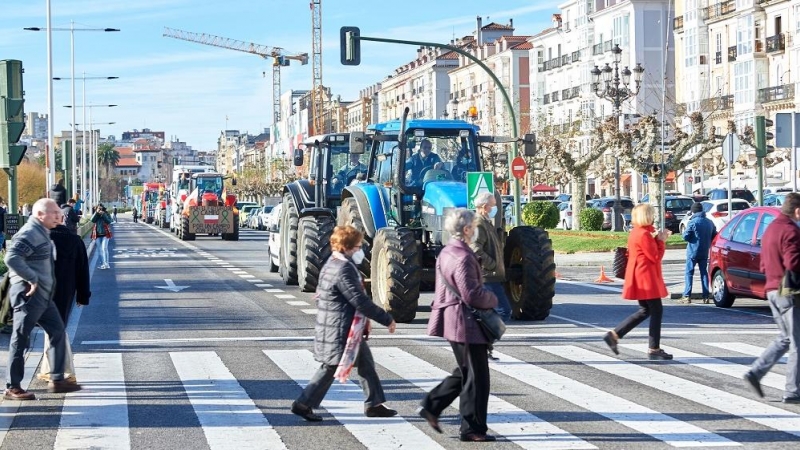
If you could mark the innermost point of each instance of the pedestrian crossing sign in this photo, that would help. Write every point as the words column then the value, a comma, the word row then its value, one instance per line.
column 478, row 183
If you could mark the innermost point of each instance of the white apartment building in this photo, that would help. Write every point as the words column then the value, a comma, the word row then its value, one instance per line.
column 289, row 132
column 734, row 62
column 582, row 37
column 363, row 111
column 226, row 151
column 36, row 125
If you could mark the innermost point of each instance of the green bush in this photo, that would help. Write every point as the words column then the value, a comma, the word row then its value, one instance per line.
column 591, row 219
column 540, row 214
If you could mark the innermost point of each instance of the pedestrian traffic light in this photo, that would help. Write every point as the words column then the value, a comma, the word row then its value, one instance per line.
column 762, row 136
column 12, row 114
column 350, row 46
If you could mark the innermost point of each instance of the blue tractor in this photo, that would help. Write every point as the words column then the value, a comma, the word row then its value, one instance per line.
column 417, row 173
column 308, row 214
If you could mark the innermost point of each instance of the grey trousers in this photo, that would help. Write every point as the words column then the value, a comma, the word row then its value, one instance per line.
column 370, row 383
column 787, row 317
column 27, row 313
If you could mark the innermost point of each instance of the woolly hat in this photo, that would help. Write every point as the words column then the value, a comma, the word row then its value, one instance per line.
column 697, row 207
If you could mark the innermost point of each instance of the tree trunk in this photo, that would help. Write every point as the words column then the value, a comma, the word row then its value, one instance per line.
column 578, row 199
column 654, row 189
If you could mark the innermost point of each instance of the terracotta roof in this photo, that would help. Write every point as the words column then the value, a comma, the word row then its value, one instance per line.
column 496, row 26
column 543, row 32
column 523, row 46
column 448, row 55
column 146, row 149
column 124, row 151
column 128, row 162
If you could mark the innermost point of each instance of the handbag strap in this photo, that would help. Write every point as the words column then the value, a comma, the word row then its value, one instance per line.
column 453, row 289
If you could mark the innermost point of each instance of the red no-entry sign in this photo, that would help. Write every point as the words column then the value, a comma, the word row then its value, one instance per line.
column 518, row 167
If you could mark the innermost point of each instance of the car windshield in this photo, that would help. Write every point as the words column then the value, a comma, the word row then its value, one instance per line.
column 679, row 203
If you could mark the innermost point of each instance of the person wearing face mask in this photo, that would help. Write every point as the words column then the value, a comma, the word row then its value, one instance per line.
column 340, row 294
column 486, row 245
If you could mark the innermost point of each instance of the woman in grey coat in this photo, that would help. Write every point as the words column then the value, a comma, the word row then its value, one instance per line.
column 458, row 266
column 340, row 293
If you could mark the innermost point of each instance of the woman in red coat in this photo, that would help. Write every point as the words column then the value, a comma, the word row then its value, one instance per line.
column 643, row 280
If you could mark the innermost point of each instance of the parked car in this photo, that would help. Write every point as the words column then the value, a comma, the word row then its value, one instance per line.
column 734, row 264
column 243, row 213
column 722, row 194
column 717, row 211
column 675, row 209
column 775, row 199
column 646, row 197
column 262, row 217
column 567, row 197
column 274, row 242
column 606, row 203
column 565, row 214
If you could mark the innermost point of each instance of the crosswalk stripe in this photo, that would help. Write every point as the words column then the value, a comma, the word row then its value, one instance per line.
column 229, row 418
column 632, row 415
column 346, row 403
column 97, row 416
column 734, row 405
column 745, row 349
column 716, row 365
column 517, row 425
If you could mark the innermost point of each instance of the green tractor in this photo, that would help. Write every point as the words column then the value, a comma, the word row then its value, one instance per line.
column 417, row 173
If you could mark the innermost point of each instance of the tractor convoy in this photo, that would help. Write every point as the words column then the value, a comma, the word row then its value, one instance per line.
column 200, row 204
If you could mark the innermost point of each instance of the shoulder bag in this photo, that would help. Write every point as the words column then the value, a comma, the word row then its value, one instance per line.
column 490, row 322
column 620, row 262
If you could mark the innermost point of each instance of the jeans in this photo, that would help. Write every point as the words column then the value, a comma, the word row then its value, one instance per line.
column 787, row 317
column 470, row 382
column 319, row 384
column 503, row 305
column 647, row 308
column 703, row 266
column 103, row 241
column 28, row 311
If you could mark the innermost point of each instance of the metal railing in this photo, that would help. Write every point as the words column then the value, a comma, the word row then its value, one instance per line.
column 732, row 53
column 546, row 99
column 720, row 9
column 718, row 103
column 576, row 56
column 776, row 43
column 776, row 93
column 718, row 57
column 597, row 49
column 677, row 23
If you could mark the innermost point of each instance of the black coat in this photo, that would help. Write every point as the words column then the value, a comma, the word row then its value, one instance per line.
column 58, row 193
column 71, row 270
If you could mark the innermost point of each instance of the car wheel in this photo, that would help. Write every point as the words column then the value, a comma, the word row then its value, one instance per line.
column 719, row 290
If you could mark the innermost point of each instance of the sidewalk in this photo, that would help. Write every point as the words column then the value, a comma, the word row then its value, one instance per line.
column 671, row 256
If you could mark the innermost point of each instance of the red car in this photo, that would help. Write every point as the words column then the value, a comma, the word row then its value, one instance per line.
column 734, row 266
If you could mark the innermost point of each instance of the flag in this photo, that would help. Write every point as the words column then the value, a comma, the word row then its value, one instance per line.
column 210, row 219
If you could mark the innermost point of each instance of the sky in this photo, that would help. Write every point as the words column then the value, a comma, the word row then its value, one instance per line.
column 192, row 91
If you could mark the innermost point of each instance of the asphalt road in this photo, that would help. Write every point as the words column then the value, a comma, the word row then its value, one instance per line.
column 196, row 345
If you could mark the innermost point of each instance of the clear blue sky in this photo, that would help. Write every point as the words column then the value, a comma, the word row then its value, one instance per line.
column 187, row 89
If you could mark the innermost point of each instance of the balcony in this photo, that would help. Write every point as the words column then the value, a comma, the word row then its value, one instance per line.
column 719, row 103
column 718, row 57
column 759, row 47
column 564, row 60
column 597, row 49
column 566, row 94
column 677, row 23
column 720, row 9
column 576, row 91
column 554, row 96
column 546, row 99
column 576, row 56
column 608, row 45
column 776, row 93
column 732, row 53
column 776, row 43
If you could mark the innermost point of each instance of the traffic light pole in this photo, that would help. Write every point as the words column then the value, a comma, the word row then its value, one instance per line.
column 12, row 189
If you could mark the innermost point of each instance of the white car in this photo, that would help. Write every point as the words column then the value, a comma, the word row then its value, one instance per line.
column 274, row 242
column 717, row 211
column 262, row 217
column 565, row 215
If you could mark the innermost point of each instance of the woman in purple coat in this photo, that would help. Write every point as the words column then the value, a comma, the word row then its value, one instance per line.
column 458, row 266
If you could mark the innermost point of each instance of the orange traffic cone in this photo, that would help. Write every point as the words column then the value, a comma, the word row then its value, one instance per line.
column 603, row 278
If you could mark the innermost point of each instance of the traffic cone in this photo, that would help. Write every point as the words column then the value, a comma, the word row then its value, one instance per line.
column 603, row 278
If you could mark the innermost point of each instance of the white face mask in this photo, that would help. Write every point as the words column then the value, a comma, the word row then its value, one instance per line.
column 493, row 212
column 474, row 237
column 358, row 256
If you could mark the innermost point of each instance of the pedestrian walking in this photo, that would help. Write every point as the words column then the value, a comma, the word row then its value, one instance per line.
column 699, row 233
column 341, row 298
column 26, row 210
column 71, row 217
column 114, row 213
column 644, row 281
column 58, row 192
column 135, row 215
column 459, row 271
column 101, row 233
column 30, row 260
column 780, row 256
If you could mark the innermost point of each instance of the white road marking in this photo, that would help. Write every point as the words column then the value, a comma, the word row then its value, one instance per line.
column 751, row 410
column 233, row 268
column 228, row 416
column 297, row 303
column 97, row 416
column 517, row 425
column 272, row 291
column 345, row 402
column 745, row 349
column 264, row 285
column 245, row 276
column 309, row 311
column 284, row 296
column 256, row 280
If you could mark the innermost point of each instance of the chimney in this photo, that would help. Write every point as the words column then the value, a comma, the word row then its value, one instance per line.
column 479, row 33
column 511, row 23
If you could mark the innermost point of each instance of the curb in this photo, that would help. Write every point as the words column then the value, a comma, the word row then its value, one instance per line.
column 609, row 262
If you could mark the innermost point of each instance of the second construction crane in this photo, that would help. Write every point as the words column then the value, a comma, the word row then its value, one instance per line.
column 280, row 57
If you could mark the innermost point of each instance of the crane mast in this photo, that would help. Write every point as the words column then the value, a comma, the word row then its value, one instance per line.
column 316, row 51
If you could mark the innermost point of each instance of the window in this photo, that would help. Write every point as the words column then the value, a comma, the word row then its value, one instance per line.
column 690, row 47
column 620, row 30
column 766, row 219
column 744, row 34
column 719, row 42
column 743, row 85
column 743, row 232
column 797, row 18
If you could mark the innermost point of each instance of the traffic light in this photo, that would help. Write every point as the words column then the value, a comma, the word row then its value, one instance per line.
column 762, row 136
column 12, row 114
column 350, row 46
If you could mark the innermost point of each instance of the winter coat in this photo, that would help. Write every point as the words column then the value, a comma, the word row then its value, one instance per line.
column 71, row 269
column 780, row 251
column 340, row 292
column 100, row 221
column 58, row 193
column 71, row 217
column 643, row 277
column 449, row 318
column 29, row 258
column 699, row 233
column 489, row 251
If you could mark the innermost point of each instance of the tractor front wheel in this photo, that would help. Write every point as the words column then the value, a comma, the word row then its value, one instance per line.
column 396, row 273
column 349, row 215
column 531, row 272
column 314, row 245
column 162, row 219
column 185, row 235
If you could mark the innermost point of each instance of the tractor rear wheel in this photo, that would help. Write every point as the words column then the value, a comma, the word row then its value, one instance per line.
column 349, row 215
column 288, row 253
column 397, row 271
column 531, row 273
column 162, row 219
column 314, row 246
column 185, row 235
column 232, row 236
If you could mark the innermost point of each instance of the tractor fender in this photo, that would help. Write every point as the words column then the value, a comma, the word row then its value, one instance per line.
column 302, row 194
column 371, row 202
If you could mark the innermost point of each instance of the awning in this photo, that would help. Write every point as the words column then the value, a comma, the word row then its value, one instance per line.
column 543, row 188
column 670, row 176
column 625, row 178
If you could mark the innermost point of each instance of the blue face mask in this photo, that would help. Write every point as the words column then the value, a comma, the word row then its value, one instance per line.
column 493, row 212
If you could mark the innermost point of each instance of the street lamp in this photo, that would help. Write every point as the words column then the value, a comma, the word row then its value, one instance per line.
column 50, row 149
column 92, row 157
column 616, row 89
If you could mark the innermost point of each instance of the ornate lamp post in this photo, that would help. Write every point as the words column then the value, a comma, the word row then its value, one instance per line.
column 616, row 89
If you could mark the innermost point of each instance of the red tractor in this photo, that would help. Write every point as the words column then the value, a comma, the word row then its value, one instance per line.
column 209, row 209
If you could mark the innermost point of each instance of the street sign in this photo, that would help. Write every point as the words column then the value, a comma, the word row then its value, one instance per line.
column 519, row 168
column 690, row 179
column 730, row 148
column 477, row 183
column 644, row 179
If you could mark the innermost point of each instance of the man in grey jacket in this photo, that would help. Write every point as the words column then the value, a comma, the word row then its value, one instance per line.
column 30, row 260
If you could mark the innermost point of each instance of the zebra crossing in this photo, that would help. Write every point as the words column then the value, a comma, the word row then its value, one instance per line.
column 573, row 377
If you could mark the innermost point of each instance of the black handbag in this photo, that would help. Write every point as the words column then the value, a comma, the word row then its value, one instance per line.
column 620, row 262
column 490, row 322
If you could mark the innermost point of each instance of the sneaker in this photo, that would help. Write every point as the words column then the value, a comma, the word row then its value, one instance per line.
column 793, row 399
column 379, row 411
column 305, row 412
column 612, row 339
column 658, row 355
column 754, row 383
column 20, row 394
column 685, row 300
column 62, row 387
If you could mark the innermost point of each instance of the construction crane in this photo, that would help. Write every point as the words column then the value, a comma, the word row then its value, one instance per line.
column 280, row 57
column 317, row 94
